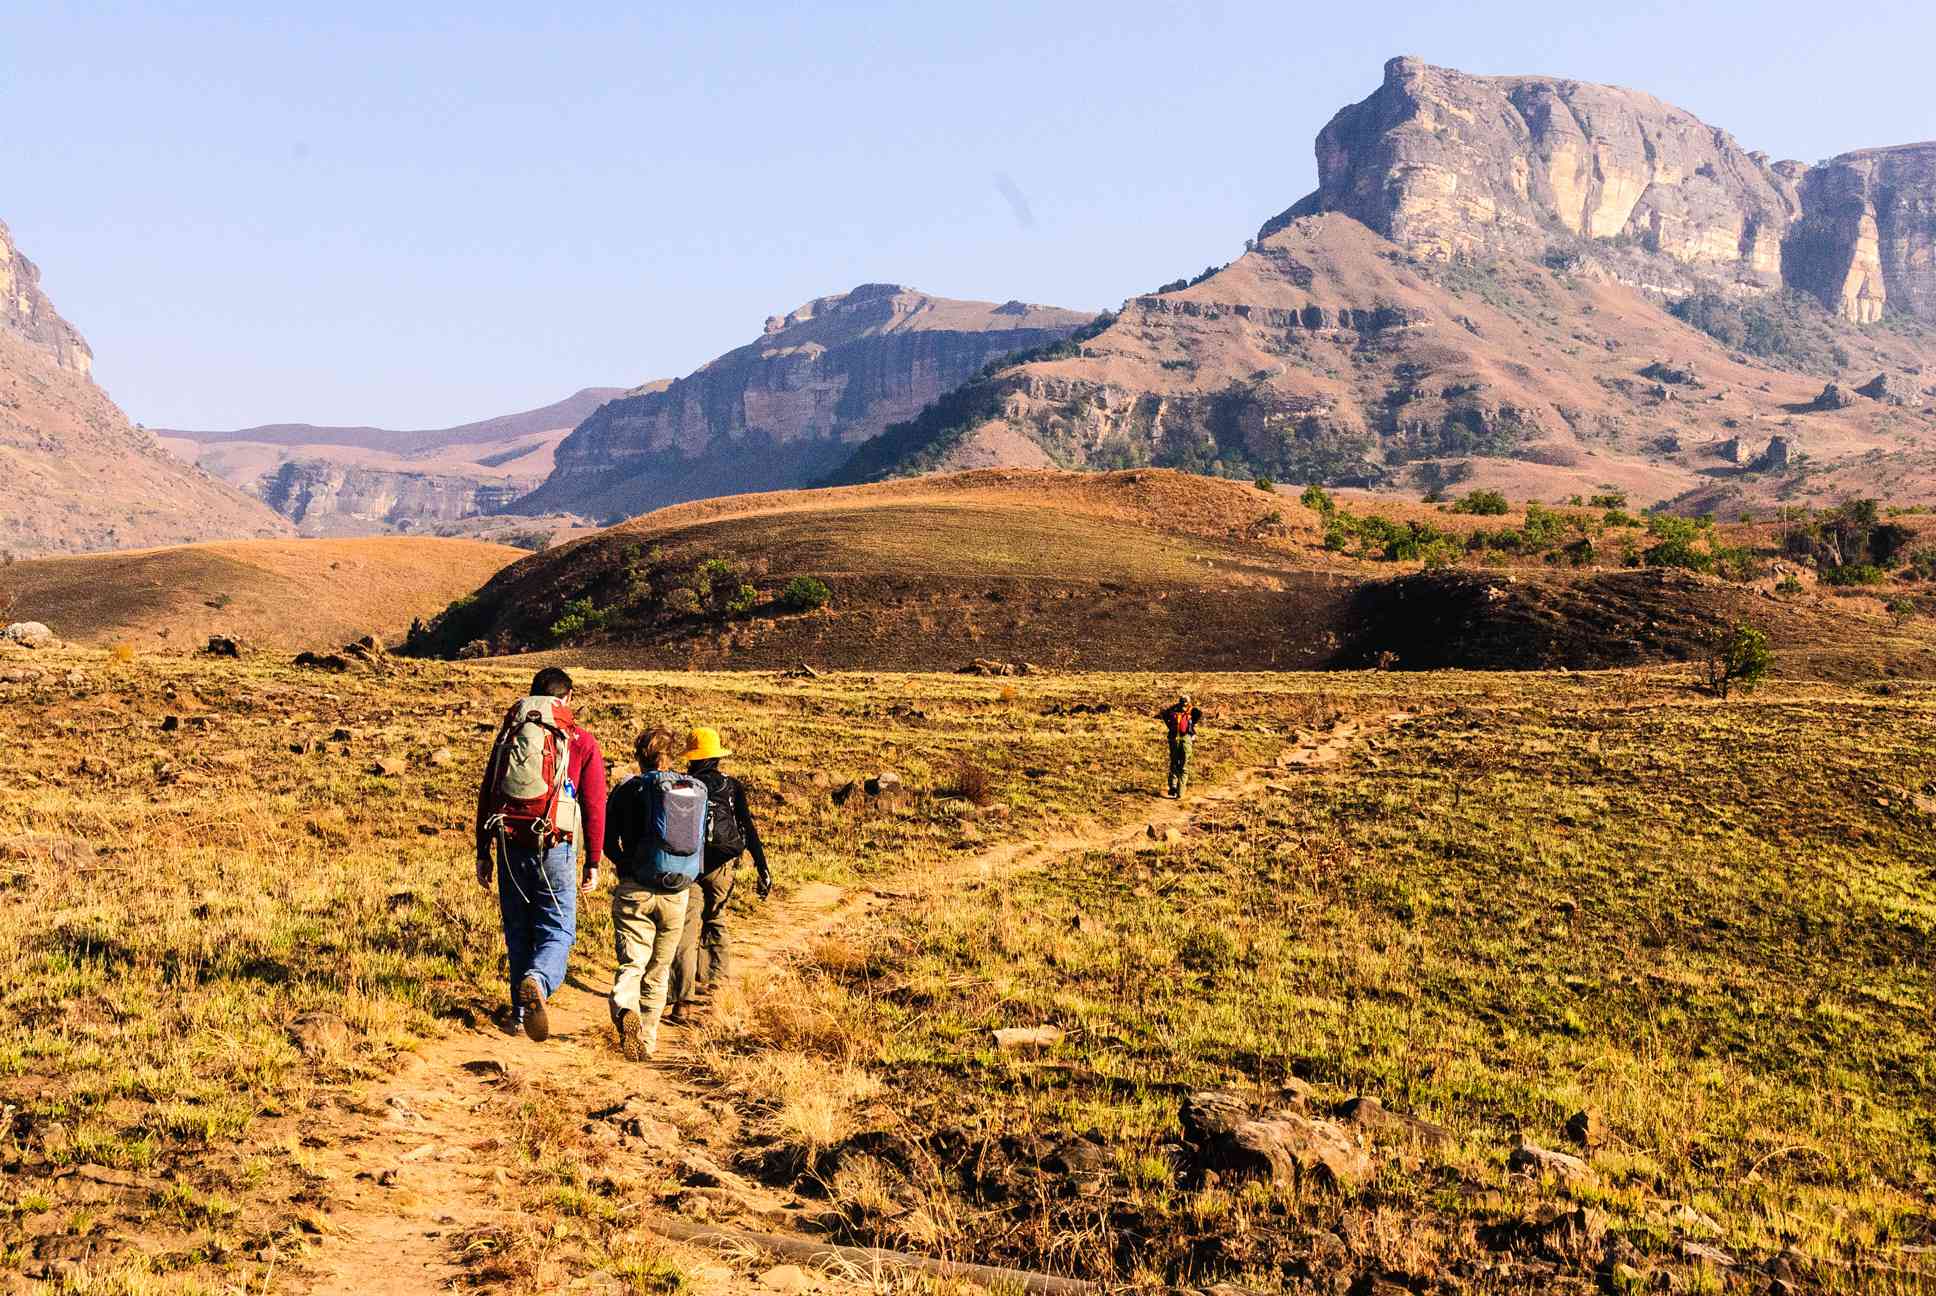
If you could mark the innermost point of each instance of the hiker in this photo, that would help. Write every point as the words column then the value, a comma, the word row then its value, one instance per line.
column 655, row 834
column 705, row 952
column 1181, row 719
column 541, row 812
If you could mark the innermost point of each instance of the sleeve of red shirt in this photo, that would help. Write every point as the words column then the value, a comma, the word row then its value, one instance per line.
column 588, row 772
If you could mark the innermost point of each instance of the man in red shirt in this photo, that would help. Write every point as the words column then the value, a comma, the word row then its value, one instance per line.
column 537, row 889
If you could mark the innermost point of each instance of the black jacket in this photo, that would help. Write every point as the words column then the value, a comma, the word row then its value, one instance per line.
column 722, row 789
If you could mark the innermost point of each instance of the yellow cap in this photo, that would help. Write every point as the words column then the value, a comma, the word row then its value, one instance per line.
column 704, row 745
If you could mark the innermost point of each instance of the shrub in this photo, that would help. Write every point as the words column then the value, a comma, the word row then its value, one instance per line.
column 971, row 781
column 1318, row 500
column 683, row 601
column 1902, row 607
column 1609, row 500
column 1737, row 656
column 1789, row 584
column 121, row 653
column 1854, row 574
column 1266, row 484
column 581, row 616
column 1615, row 517
column 744, row 600
column 804, row 594
column 1483, row 503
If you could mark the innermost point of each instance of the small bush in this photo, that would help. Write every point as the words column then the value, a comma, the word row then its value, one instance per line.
column 122, row 653
column 1737, row 657
column 683, row 601
column 743, row 600
column 971, row 781
column 1318, row 500
column 1789, row 584
column 804, row 594
column 1854, row 574
column 1266, row 484
column 1483, row 503
column 581, row 617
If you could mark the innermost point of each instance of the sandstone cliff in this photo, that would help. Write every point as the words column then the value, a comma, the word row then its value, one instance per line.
column 327, row 498
column 780, row 411
column 1445, row 163
column 74, row 473
column 26, row 313
column 366, row 480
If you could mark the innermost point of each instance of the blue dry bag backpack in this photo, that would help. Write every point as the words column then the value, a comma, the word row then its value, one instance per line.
column 678, row 845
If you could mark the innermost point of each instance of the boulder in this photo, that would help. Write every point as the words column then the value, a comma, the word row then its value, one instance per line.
column 1832, row 397
column 322, row 661
column 1224, row 1136
column 1890, row 391
column 1587, row 1128
column 29, row 634
column 222, row 646
column 1370, row 1115
column 388, row 767
column 474, row 649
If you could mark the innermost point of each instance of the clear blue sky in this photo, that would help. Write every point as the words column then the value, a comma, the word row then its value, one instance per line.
column 418, row 214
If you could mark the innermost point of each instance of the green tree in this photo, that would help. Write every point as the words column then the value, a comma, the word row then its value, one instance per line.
column 804, row 594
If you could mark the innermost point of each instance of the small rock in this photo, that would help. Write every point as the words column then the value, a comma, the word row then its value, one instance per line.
column 443, row 757
column 29, row 634
column 387, row 1177
column 169, row 724
column 844, row 793
column 1226, row 1137
column 1017, row 1038
column 887, row 778
column 318, row 1034
column 19, row 675
column 1586, row 1128
column 222, row 646
column 1529, row 1158
column 388, row 767
column 1701, row 1254
column 787, row 1278
column 340, row 735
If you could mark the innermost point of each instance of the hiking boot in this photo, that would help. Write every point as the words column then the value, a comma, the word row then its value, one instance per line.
column 531, row 998
column 631, row 1036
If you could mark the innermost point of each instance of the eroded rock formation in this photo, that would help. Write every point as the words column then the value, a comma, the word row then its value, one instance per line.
column 322, row 497
column 1446, row 163
column 27, row 314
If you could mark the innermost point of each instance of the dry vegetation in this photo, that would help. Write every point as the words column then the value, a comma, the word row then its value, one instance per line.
column 1710, row 922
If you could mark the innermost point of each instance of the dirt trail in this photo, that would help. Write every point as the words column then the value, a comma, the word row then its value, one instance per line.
column 416, row 1159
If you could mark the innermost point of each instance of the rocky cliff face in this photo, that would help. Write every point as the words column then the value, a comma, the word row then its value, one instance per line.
column 780, row 411
column 26, row 313
column 327, row 498
column 74, row 473
column 1445, row 163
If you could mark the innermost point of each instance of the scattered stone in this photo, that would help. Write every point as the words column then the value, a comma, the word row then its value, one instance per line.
column 787, row 1278
column 474, row 649
column 1370, row 1115
column 1661, row 371
column 443, row 757
column 46, row 848
column 845, row 792
column 340, row 735
column 1529, row 1158
column 987, row 666
column 19, row 675
column 1687, row 1218
column 1014, row 1039
column 1587, row 1128
column 327, row 661
column 887, row 778
column 1225, row 1137
column 635, row 1117
column 222, row 646
column 318, row 1034
column 388, row 767
column 1702, row 1254
column 169, row 724
column 29, row 634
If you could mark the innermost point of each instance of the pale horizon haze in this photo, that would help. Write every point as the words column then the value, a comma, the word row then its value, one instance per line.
column 420, row 216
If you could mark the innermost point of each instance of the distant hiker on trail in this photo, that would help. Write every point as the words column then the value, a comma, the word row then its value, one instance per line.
column 541, row 811
column 656, row 836
column 705, row 952
column 1181, row 719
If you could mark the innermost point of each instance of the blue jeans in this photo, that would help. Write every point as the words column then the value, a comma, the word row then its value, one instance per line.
column 538, row 898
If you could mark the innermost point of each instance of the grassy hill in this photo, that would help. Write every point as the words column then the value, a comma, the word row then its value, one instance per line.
column 282, row 592
column 1155, row 569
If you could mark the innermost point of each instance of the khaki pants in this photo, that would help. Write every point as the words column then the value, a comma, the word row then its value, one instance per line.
column 705, row 954
column 646, row 927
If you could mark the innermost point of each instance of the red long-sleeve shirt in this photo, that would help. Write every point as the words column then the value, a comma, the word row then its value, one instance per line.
column 586, row 769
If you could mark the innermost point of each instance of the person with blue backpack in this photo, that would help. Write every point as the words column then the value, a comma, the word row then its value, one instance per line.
column 655, row 836
column 704, row 960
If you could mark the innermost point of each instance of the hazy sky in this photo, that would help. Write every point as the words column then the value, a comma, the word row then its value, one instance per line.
column 362, row 214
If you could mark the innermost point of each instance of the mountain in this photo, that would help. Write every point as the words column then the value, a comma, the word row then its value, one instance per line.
column 790, row 406
column 361, row 480
column 1521, row 283
column 74, row 473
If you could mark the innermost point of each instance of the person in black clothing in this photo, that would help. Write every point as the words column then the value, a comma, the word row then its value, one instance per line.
column 648, row 911
column 1181, row 719
column 705, row 950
